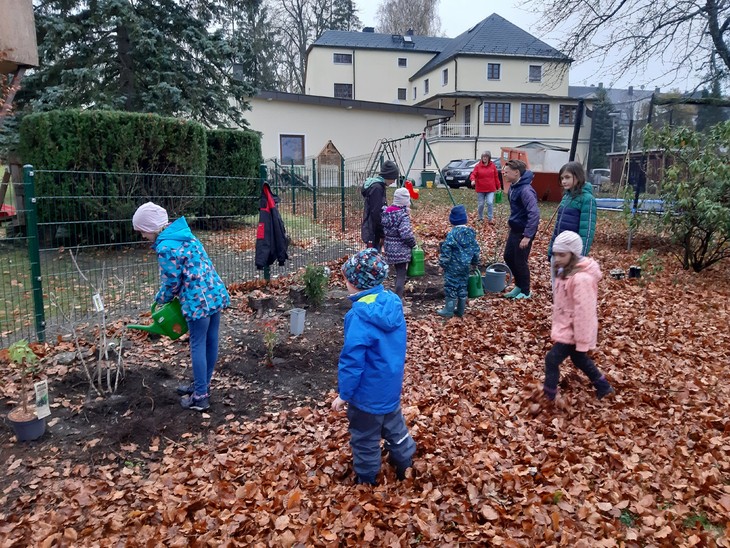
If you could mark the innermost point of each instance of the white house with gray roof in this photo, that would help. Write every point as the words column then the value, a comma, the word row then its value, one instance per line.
column 493, row 86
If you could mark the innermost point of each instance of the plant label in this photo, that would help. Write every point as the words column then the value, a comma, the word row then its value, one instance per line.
column 98, row 303
column 41, row 399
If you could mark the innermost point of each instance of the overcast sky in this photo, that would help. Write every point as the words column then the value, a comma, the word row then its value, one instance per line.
column 458, row 16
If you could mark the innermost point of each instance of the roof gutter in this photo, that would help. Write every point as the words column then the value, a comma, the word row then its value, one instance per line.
column 479, row 126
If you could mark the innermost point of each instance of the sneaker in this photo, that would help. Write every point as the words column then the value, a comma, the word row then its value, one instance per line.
column 512, row 294
column 605, row 393
column 524, row 296
column 195, row 402
column 186, row 389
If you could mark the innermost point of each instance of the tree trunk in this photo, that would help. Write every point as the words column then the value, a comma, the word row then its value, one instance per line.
column 126, row 72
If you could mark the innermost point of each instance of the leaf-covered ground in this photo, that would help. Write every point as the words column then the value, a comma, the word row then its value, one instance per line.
column 495, row 465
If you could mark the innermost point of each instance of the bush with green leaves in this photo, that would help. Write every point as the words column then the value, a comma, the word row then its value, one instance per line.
column 696, row 192
column 315, row 280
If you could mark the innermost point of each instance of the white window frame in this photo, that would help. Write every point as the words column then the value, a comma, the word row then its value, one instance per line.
column 405, row 94
column 529, row 74
column 499, row 70
column 334, row 60
column 292, row 137
column 445, row 77
column 426, row 86
column 334, row 92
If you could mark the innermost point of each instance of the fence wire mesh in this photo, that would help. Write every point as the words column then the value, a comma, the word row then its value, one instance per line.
column 86, row 244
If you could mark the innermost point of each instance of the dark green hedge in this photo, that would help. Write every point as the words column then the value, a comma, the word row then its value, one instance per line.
column 134, row 158
column 233, row 172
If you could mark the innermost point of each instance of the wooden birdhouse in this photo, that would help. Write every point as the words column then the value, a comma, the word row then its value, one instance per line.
column 18, row 47
column 329, row 162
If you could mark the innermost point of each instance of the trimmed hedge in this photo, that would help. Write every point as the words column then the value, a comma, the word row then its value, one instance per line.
column 233, row 171
column 126, row 152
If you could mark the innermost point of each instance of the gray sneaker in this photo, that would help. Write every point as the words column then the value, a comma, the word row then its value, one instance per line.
column 195, row 402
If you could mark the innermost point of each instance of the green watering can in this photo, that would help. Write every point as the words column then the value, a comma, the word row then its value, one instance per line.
column 168, row 320
column 417, row 265
column 475, row 288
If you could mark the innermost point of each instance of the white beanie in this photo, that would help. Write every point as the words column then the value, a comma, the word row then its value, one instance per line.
column 402, row 198
column 568, row 241
column 149, row 217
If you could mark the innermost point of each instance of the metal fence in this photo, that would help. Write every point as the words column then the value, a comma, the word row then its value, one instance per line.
column 58, row 252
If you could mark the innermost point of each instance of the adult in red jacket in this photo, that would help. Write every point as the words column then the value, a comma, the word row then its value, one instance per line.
column 485, row 180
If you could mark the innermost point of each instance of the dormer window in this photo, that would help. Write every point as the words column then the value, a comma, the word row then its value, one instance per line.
column 535, row 73
column 494, row 71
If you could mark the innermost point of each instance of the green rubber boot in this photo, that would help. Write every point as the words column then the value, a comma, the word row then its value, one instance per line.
column 448, row 310
column 460, row 307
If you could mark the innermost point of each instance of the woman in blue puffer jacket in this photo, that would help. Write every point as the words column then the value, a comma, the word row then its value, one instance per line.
column 399, row 238
column 577, row 209
column 186, row 272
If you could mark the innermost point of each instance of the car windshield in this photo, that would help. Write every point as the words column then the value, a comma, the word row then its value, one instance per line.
column 453, row 163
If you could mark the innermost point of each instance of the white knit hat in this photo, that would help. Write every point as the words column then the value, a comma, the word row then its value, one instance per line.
column 149, row 217
column 402, row 198
column 568, row 241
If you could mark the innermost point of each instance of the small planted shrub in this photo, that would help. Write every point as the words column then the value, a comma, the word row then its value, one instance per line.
column 315, row 280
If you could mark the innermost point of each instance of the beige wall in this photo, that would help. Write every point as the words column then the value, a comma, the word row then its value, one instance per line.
column 375, row 73
column 472, row 76
column 353, row 132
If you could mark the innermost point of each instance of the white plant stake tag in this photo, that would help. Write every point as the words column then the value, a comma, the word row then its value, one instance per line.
column 98, row 303
column 41, row 399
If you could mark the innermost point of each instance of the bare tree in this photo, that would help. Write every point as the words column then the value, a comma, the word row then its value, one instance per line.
column 683, row 35
column 399, row 16
column 299, row 24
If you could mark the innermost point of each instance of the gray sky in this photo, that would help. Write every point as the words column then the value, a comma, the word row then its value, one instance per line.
column 458, row 16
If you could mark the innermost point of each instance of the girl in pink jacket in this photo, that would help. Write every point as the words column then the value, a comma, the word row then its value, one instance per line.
column 575, row 317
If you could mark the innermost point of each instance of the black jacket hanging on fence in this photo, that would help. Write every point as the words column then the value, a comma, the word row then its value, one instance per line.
column 271, row 239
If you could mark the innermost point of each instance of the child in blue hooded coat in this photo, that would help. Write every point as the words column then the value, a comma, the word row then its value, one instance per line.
column 459, row 255
column 186, row 272
column 371, row 367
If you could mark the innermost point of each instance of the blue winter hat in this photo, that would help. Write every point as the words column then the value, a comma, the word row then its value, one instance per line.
column 458, row 215
column 365, row 269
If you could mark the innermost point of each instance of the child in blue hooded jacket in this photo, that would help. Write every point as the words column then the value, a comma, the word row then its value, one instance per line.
column 186, row 272
column 370, row 370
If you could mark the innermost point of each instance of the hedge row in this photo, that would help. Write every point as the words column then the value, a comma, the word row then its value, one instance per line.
column 118, row 160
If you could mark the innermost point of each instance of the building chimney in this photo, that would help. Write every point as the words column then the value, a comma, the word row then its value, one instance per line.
column 600, row 84
column 409, row 32
column 631, row 91
column 368, row 29
column 656, row 89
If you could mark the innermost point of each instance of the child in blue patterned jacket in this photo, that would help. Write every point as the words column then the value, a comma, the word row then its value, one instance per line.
column 186, row 272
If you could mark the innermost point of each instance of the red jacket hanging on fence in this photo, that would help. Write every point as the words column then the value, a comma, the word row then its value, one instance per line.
column 271, row 239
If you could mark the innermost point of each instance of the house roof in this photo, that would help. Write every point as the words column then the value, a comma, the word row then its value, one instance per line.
column 615, row 95
column 375, row 40
column 351, row 104
column 494, row 36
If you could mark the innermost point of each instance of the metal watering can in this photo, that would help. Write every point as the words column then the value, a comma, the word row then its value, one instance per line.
column 497, row 277
column 168, row 320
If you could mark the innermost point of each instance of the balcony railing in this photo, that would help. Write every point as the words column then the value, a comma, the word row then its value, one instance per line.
column 449, row 131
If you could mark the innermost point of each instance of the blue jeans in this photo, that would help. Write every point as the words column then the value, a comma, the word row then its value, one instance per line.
column 489, row 197
column 367, row 429
column 204, row 350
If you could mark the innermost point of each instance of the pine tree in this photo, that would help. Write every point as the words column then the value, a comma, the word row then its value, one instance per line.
column 603, row 130
column 169, row 57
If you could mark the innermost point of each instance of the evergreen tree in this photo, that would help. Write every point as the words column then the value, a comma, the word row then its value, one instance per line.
column 254, row 35
column 169, row 57
column 603, row 129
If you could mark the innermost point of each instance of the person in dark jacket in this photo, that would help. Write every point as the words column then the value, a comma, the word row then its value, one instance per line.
column 399, row 238
column 373, row 193
column 272, row 242
column 523, row 222
column 577, row 209
column 459, row 254
column 186, row 272
column 371, row 368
